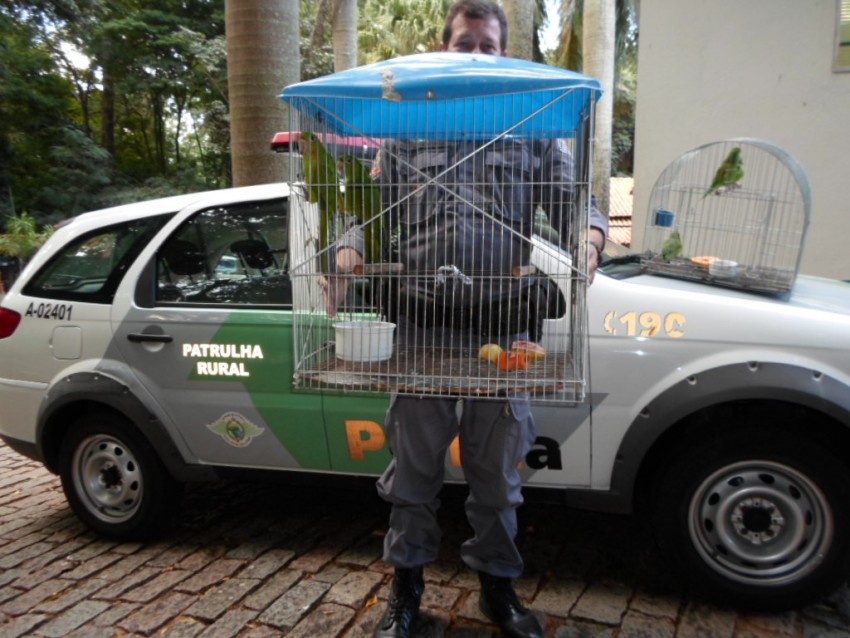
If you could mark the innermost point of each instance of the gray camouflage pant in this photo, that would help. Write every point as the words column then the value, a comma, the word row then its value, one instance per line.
column 495, row 435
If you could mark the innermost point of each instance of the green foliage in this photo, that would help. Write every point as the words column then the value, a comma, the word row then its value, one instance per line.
column 568, row 55
column 623, row 130
column 33, row 99
column 143, row 102
column 141, row 110
column 389, row 28
column 316, row 22
column 22, row 237
column 77, row 170
column 160, row 63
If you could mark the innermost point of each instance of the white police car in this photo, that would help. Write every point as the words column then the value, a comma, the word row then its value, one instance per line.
column 151, row 344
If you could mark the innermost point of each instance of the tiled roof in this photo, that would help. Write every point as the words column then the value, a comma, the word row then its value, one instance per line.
column 621, row 193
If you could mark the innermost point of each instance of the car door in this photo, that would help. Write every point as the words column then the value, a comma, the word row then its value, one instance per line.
column 209, row 335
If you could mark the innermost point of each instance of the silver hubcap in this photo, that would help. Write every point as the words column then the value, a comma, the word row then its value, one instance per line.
column 107, row 478
column 760, row 522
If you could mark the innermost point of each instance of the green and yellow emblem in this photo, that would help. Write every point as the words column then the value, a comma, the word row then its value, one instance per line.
column 235, row 429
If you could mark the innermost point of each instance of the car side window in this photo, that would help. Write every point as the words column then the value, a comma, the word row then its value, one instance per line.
column 90, row 267
column 228, row 255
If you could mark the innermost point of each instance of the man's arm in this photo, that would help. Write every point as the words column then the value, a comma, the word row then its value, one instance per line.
column 562, row 197
column 596, row 243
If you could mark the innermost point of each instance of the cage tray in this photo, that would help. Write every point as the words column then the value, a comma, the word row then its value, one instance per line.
column 445, row 371
column 767, row 280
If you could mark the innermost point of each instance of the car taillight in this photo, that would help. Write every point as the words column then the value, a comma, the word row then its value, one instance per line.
column 9, row 320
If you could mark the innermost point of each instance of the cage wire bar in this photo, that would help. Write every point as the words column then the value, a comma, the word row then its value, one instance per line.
column 747, row 234
column 477, row 140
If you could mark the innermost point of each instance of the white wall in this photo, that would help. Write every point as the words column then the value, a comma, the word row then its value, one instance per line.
column 718, row 69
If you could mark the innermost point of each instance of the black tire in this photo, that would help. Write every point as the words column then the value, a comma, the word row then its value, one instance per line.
column 756, row 518
column 114, row 481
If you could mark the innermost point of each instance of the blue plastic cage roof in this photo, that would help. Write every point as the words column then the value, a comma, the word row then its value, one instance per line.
column 447, row 95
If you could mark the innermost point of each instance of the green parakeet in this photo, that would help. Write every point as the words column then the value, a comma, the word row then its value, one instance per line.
column 672, row 246
column 731, row 172
column 363, row 200
column 322, row 180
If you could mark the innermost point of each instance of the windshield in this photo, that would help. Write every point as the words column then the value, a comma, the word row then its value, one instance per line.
column 620, row 261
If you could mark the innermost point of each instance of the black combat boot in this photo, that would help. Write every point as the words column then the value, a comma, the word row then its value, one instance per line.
column 499, row 602
column 403, row 606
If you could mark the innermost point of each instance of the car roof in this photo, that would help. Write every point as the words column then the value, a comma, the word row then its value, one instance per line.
column 174, row 203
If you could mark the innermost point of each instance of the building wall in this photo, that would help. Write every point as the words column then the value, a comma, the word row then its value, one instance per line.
column 722, row 69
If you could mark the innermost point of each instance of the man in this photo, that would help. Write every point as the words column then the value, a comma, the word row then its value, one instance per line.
column 494, row 434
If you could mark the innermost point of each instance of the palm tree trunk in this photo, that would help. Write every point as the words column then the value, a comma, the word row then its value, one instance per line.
column 262, row 57
column 345, row 35
column 520, row 14
column 598, row 40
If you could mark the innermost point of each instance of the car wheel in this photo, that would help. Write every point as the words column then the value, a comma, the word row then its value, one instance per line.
column 113, row 479
column 756, row 518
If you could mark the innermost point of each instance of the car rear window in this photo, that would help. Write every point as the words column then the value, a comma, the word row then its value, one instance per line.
column 90, row 267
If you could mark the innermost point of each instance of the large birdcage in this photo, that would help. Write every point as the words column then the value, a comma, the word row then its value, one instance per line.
column 468, row 228
column 732, row 213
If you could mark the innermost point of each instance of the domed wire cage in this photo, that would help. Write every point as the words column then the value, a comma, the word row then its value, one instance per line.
column 732, row 213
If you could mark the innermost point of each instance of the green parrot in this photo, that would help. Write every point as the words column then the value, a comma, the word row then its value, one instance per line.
column 363, row 200
column 731, row 172
column 672, row 246
column 322, row 179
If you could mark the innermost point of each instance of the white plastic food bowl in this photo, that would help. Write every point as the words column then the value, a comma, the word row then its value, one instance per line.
column 723, row 268
column 364, row 340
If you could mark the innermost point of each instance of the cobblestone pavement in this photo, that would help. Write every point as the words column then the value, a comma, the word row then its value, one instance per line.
column 256, row 560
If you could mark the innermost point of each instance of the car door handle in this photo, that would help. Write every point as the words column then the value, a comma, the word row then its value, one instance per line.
column 137, row 337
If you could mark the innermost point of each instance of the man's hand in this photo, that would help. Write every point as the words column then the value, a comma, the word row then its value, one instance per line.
column 335, row 287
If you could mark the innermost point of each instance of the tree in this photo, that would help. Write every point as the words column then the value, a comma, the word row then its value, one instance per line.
column 390, row 28
column 22, row 238
column 34, row 102
column 317, row 56
column 623, row 130
column 345, row 35
column 150, row 69
column 569, row 55
column 105, row 101
column 521, row 28
column 210, row 130
column 598, row 54
column 261, row 38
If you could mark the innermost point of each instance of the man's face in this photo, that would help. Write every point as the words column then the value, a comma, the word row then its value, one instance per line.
column 475, row 36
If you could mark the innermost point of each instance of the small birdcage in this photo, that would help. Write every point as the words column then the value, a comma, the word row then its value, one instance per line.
column 462, row 286
column 732, row 213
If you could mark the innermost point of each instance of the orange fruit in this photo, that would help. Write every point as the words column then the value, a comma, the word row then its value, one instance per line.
column 490, row 352
column 513, row 361
column 704, row 261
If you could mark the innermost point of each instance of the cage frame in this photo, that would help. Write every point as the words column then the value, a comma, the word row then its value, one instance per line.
column 752, row 276
column 396, row 90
